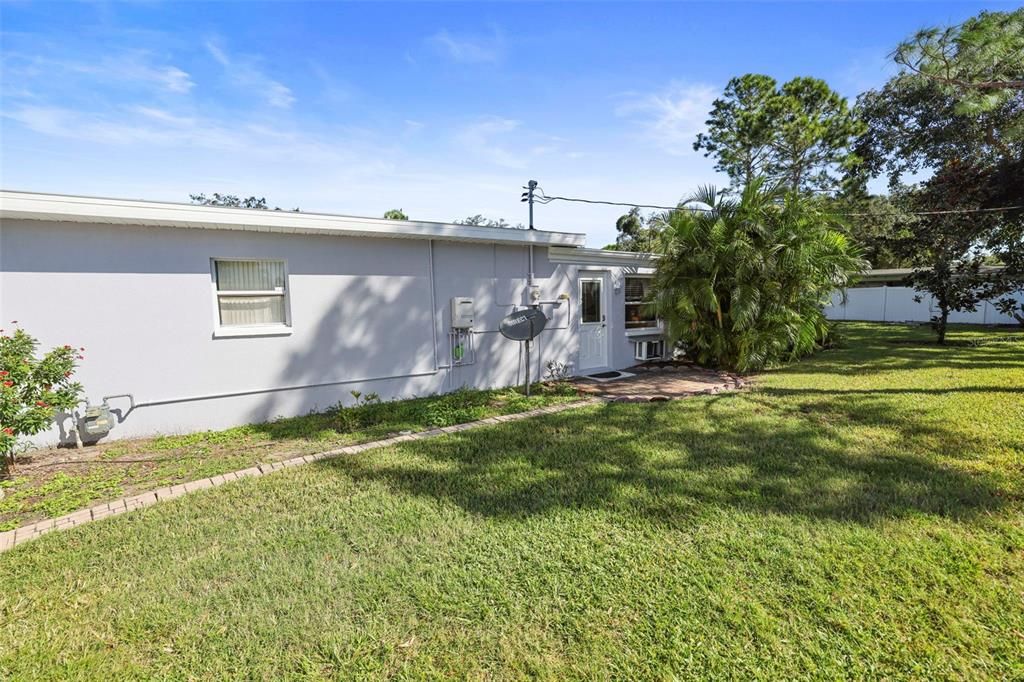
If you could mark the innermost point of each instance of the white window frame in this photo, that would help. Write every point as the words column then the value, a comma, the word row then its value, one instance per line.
column 229, row 331
column 637, row 331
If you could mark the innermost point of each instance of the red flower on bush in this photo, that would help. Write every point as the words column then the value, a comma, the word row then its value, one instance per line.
column 4, row 373
column 38, row 385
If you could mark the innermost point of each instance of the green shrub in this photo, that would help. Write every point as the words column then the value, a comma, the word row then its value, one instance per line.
column 33, row 388
column 743, row 282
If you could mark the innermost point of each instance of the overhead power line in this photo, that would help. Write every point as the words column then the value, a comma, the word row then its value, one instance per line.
column 954, row 210
column 542, row 198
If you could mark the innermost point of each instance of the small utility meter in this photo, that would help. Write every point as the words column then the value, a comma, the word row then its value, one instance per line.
column 534, row 294
column 97, row 421
column 462, row 312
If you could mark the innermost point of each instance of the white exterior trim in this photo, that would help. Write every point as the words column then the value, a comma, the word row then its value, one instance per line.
column 281, row 329
column 255, row 330
column 75, row 209
column 599, row 257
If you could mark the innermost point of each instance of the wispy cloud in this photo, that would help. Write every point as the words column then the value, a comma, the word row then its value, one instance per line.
column 126, row 68
column 469, row 49
column 331, row 88
column 150, row 127
column 506, row 142
column 673, row 116
column 488, row 139
column 245, row 74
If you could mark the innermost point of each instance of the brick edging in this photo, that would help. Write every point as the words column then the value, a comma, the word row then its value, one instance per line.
column 10, row 538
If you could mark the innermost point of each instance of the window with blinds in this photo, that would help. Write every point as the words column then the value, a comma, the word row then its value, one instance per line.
column 251, row 293
column 639, row 309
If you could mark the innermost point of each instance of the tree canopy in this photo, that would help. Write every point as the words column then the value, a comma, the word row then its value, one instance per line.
column 979, row 63
column 395, row 214
column 947, row 133
column 483, row 221
column 233, row 201
column 637, row 232
column 798, row 134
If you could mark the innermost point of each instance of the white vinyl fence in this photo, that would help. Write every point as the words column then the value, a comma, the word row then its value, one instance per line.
column 897, row 304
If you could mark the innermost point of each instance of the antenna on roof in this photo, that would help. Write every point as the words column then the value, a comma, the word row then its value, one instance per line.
column 528, row 197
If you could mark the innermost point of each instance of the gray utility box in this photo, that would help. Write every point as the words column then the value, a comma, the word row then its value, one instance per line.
column 462, row 312
column 97, row 421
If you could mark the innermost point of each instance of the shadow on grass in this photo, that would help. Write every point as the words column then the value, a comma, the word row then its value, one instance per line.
column 670, row 462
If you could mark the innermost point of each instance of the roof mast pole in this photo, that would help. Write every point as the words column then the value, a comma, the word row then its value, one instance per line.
column 528, row 198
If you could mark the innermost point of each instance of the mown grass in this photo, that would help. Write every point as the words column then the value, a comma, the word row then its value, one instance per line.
column 860, row 514
column 57, row 482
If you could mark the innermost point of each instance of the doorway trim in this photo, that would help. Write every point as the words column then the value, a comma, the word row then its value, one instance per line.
column 604, row 277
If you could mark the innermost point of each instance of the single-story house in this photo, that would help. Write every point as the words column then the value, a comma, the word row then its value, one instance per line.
column 197, row 317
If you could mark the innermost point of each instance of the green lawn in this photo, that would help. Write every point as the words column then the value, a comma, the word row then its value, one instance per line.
column 49, row 484
column 860, row 514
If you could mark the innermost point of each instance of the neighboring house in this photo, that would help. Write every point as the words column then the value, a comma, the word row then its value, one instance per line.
column 212, row 317
column 883, row 296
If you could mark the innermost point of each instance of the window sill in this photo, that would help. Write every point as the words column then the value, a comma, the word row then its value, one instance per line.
column 241, row 332
column 645, row 331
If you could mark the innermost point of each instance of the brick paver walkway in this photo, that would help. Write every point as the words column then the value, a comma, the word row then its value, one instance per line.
column 17, row 536
column 662, row 381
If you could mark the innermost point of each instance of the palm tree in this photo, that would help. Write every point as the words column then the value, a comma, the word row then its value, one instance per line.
column 742, row 283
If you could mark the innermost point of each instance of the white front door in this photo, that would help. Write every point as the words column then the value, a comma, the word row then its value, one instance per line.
column 593, row 322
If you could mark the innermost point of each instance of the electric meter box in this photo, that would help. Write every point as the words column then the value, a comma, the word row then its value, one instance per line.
column 462, row 313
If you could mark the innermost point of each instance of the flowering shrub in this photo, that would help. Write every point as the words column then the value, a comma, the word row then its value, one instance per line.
column 32, row 388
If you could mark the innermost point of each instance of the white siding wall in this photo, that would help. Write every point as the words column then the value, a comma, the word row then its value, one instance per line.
column 897, row 304
column 140, row 301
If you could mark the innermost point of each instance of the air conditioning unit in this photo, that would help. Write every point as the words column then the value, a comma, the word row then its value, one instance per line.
column 649, row 350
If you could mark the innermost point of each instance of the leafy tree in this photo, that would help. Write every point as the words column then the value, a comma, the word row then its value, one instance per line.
column 743, row 285
column 979, row 63
column 232, row 201
column 876, row 224
column 482, row 221
column 799, row 134
column 741, row 129
column 970, row 152
column 32, row 388
column 950, row 251
column 1013, row 307
column 636, row 232
column 814, row 131
column 395, row 214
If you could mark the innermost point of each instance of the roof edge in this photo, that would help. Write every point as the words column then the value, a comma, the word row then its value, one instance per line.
column 82, row 209
column 582, row 256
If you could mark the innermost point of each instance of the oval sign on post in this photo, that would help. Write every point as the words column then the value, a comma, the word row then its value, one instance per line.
column 523, row 325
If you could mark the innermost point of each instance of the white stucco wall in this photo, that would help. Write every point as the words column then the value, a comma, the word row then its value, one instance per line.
column 140, row 300
column 897, row 304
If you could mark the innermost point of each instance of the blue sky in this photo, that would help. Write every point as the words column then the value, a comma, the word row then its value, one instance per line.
column 444, row 110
